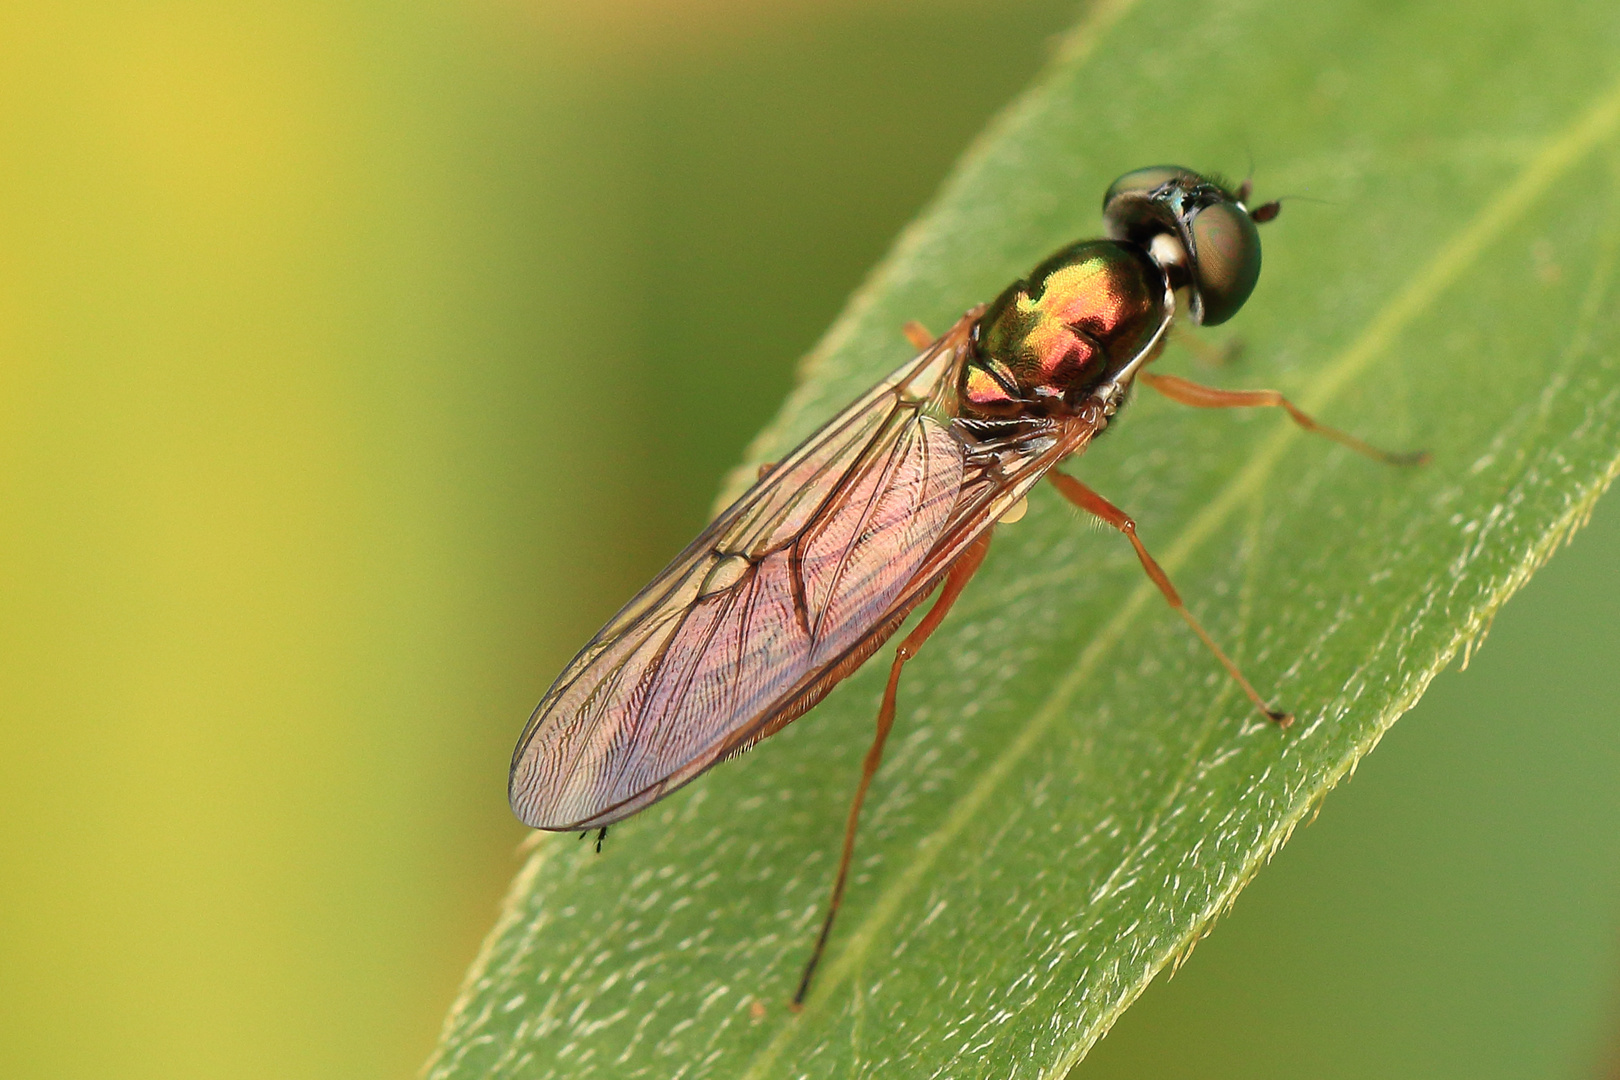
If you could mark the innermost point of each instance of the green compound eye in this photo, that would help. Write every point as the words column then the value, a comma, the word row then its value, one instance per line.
column 1225, row 259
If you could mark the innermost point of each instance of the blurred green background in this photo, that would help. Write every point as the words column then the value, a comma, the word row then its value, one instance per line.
column 357, row 361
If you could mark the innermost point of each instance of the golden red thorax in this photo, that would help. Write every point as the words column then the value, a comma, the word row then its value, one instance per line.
column 1080, row 318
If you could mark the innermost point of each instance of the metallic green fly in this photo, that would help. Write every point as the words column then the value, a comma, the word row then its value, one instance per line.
column 894, row 499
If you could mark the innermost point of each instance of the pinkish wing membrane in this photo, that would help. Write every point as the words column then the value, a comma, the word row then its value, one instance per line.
column 743, row 648
column 739, row 634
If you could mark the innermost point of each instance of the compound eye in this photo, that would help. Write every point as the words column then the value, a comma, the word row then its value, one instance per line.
column 1225, row 259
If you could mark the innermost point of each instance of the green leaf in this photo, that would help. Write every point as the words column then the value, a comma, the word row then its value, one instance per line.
column 1074, row 791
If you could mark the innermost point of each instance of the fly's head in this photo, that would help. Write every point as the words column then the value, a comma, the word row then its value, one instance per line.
column 1200, row 233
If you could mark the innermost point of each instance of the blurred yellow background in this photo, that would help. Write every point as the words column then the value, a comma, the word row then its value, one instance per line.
column 357, row 361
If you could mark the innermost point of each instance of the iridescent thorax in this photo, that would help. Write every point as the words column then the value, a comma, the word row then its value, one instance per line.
column 1078, row 319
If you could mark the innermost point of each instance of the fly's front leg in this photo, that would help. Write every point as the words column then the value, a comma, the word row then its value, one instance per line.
column 1094, row 504
column 1208, row 397
column 956, row 579
column 1211, row 356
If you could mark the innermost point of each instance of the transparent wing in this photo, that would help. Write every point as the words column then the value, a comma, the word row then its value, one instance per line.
column 787, row 591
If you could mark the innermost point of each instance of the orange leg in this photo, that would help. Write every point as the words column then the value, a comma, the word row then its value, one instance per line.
column 1207, row 397
column 1109, row 514
column 956, row 579
column 917, row 334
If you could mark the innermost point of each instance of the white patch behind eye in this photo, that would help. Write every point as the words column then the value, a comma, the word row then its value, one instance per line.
column 1167, row 250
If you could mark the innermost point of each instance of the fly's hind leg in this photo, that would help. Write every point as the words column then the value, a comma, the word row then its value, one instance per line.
column 1094, row 504
column 956, row 579
column 1208, row 397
